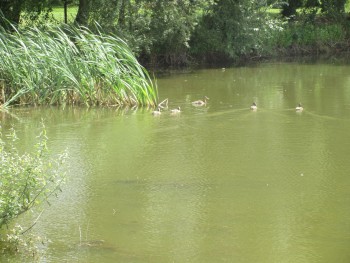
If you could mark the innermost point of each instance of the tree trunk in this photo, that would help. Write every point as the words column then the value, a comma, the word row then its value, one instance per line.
column 65, row 7
column 83, row 14
column 121, row 17
column 11, row 11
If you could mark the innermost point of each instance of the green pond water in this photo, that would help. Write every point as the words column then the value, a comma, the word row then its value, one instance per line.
column 218, row 183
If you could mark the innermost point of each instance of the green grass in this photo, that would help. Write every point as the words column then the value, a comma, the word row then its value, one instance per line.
column 71, row 65
column 275, row 11
column 58, row 13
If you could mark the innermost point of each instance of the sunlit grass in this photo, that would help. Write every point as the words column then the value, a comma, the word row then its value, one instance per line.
column 58, row 13
column 276, row 11
column 347, row 7
column 72, row 65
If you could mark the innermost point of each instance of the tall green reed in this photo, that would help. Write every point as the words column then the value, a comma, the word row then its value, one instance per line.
column 69, row 64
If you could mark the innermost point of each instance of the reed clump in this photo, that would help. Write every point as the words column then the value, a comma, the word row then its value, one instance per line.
column 70, row 65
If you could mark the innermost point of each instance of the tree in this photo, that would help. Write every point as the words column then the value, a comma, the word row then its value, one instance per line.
column 232, row 28
column 83, row 14
column 333, row 8
column 155, row 29
column 289, row 9
column 104, row 12
column 171, row 26
column 13, row 10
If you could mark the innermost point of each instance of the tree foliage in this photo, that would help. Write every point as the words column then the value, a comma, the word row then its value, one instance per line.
column 154, row 29
column 331, row 8
column 167, row 32
column 171, row 26
column 29, row 10
column 233, row 28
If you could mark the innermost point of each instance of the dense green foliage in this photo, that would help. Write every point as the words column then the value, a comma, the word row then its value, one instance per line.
column 309, row 38
column 176, row 31
column 26, row 179
column 333, row 8
column 30, row 10
column 231, row 30
column 158, row 31
column 171, row 24
column 60, row 65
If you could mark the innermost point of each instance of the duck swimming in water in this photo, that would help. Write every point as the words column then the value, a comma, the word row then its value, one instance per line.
column 200, row 102
column 253, row 106
column 299, row 107
column 175, row 111
column 156, row 112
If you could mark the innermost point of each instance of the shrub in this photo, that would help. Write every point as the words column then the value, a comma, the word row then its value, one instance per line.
column 26, row 179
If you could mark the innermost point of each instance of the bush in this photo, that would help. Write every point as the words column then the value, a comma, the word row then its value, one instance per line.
column 26, row 179
column 308, row 35
column 234, row 29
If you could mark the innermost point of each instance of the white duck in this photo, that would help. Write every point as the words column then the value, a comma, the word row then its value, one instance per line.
column 200, row 102
column 156, row 112
column 175, row 111
column 254, row 106
column 299, row 108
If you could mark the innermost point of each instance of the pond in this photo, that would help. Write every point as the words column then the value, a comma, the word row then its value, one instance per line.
column 217, row 183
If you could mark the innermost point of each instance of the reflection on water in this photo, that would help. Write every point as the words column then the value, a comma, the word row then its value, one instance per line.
column 218, row 183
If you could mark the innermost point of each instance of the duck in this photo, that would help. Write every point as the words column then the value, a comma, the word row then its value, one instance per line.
column 299, row 107
column 156, row 112
column 253, row 106
column 175, row 111
column 200, row 102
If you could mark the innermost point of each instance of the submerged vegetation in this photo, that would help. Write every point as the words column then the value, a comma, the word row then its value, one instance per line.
column 70, row 65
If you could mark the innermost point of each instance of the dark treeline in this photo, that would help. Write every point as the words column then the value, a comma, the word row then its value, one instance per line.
column 179, row 32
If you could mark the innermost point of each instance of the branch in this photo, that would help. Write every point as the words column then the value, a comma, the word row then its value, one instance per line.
column 36, row 220
column 163, row 102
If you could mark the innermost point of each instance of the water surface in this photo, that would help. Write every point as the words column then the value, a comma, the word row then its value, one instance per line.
column 218, row 183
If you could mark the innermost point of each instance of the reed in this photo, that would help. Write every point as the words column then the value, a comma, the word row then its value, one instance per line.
column 71, row 65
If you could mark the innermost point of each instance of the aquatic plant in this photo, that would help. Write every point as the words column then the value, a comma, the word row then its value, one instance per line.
column 69, row 64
